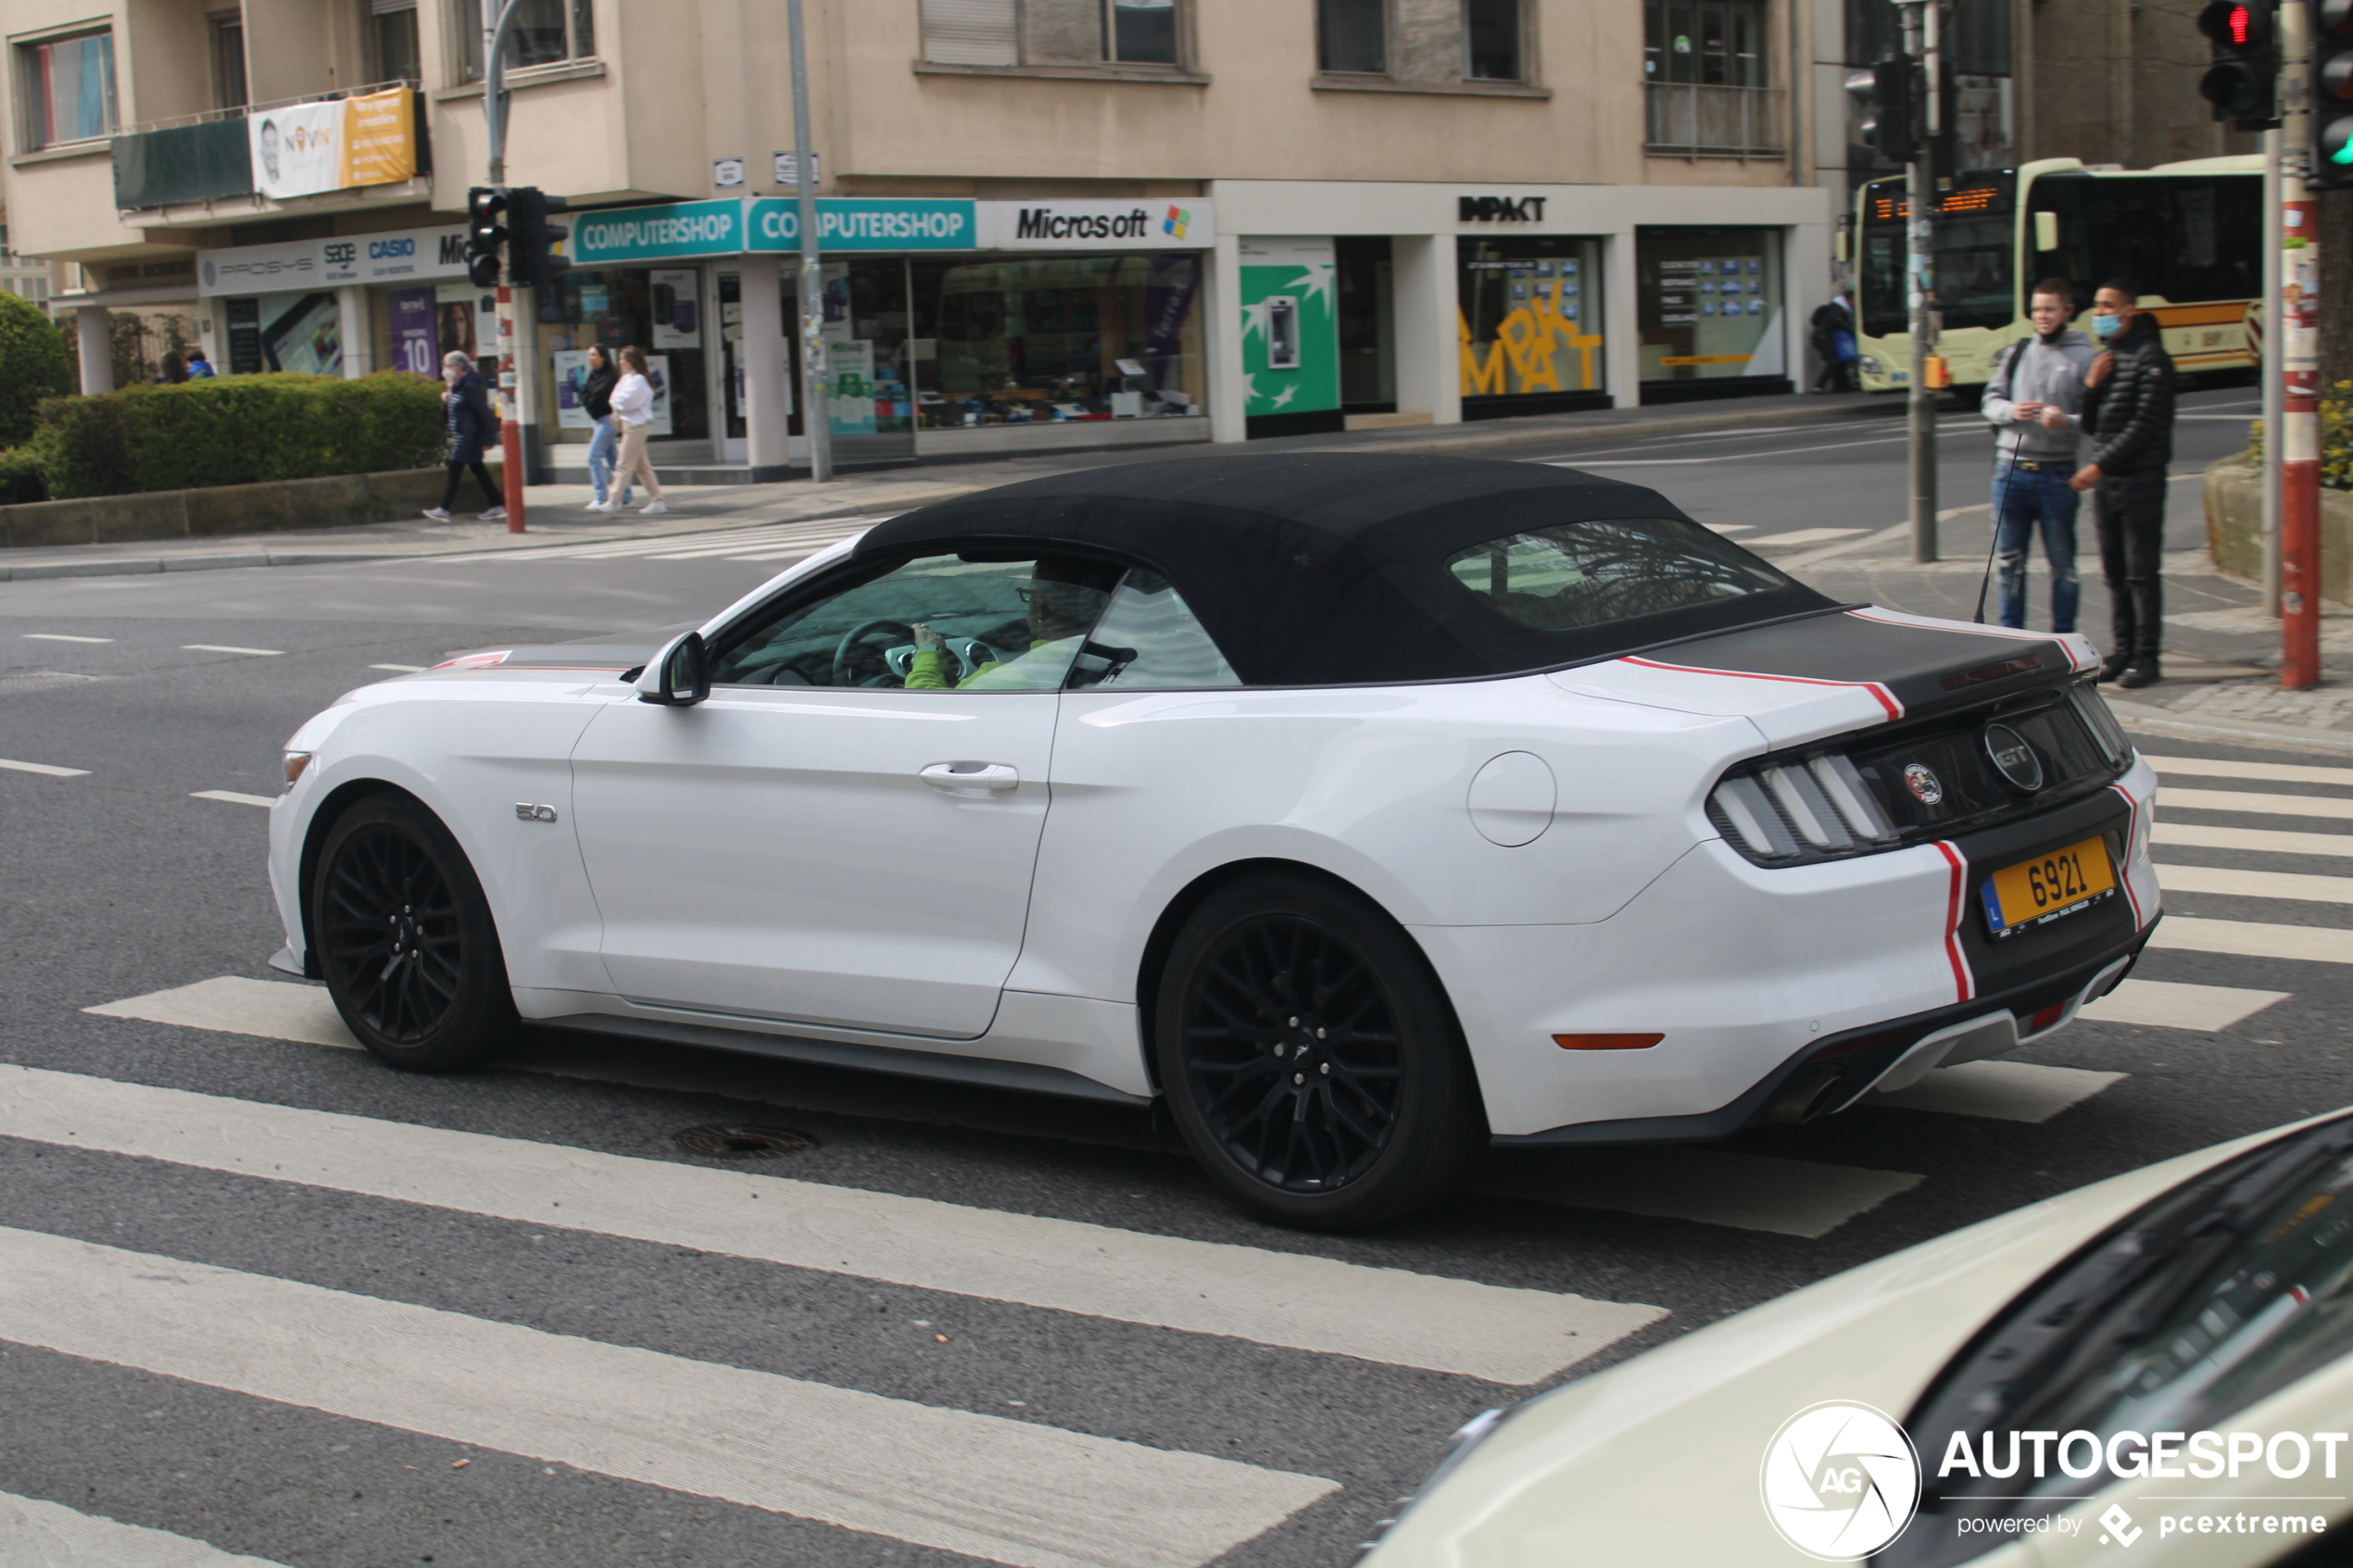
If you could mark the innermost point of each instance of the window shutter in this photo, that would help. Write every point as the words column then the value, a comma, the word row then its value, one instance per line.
column 972, row 32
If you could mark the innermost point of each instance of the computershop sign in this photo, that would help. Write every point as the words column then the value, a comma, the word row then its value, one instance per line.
column 733, row 226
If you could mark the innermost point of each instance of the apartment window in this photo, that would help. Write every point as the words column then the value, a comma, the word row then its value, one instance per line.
column 392, row 51
column 546, row 32
column 229, row 63
column 972, row 32
column 1711, row 43
column 1492, row 48
column 68, row 89
column 1351, row 35
column 1139, row 31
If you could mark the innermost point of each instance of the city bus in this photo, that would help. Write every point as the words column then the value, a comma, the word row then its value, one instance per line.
column 2190, row 234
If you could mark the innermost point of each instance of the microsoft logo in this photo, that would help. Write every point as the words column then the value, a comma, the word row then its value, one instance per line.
column 1174, row 223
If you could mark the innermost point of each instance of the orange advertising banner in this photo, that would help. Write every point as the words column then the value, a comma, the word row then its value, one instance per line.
column 380, row 137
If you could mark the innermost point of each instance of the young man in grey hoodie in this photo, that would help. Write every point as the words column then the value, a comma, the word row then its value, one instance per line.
column 2033, row 402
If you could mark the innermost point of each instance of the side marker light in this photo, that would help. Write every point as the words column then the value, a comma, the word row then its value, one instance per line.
column 1607, row 1042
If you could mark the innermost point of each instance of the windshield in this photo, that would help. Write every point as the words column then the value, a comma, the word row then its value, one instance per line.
column 2218, row 1295
column 1975, row 277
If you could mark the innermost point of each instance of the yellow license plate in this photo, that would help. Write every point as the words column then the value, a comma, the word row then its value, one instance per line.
column 2049, row 887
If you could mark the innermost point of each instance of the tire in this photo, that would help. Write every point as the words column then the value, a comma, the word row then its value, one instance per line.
column 1311, row 1059
column 404, row 939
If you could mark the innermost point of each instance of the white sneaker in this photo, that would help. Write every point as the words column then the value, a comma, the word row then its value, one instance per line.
column 599, row 506
column 495, row 514
column 436, row 514
column 650, row 508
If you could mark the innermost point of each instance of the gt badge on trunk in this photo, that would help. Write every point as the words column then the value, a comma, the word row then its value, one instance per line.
column 2016, row 761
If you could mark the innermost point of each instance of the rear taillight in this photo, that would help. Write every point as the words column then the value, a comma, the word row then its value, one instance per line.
column 1790, row 813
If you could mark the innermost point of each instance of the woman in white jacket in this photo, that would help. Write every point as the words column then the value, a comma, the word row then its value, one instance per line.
column 633, row 410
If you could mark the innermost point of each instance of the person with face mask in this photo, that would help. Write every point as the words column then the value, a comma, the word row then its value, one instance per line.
column 2129, row 410
column 2032, row 402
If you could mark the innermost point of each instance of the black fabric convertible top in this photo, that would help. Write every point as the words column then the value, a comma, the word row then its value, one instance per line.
column 1320, row 569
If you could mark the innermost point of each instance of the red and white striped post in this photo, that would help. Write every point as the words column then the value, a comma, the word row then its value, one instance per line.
column 2299, row 349
column 509, row 420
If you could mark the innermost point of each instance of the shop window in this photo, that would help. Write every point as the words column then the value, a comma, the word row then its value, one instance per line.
column 1139, row 31
column 229, row 63
column 1492, row 47
column 392, row 43
column 657, row 308
column 1708, row 304
column 1051, row 339
column 1530, row 326
column 1366, row 313
column 546, row 32
column 67, row 89
column 1710, row 43
column 1351, row 35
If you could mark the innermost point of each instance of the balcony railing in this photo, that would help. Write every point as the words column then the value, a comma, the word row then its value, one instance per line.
column 1695, row 120
column 208, row 156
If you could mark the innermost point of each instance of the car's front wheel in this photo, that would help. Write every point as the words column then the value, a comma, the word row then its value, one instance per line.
column 404, row 938
column 1310, row 1057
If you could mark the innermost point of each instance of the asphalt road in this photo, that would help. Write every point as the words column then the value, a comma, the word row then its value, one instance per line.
column 285, row 1334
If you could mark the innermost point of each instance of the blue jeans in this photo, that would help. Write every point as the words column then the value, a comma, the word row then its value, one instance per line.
column 2025, row 501
column 601, row 447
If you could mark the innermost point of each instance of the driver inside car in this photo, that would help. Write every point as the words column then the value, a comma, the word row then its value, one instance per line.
column 1063, row 609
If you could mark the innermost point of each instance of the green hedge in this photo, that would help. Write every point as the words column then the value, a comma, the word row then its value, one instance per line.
column 21, row 478
column 33, row 365
column 238, row 430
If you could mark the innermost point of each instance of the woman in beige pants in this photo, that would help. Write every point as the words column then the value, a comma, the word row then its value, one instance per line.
column 633, row 407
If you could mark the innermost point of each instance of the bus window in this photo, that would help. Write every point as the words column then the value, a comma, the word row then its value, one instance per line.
column 1976, row 283
column 2182, row 237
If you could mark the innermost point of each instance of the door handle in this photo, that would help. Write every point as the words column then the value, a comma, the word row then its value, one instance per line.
column 971, row 778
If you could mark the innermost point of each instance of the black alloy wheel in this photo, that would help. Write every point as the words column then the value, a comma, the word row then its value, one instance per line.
column 1310, row 1057
column 404, row 938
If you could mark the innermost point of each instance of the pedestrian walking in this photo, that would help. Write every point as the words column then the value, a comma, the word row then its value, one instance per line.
column 1834, row 338
column 2032, row 401
column 174, row 367
column 199, row 368
column 2128, row 409
column 472, row 424
column 633, row 405
column 596, row 401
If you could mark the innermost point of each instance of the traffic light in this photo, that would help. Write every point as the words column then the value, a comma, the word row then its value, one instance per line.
column 2332, row 94
column 1890, row 133
column 485, row 236
column 2244, row 81
column 535, row 263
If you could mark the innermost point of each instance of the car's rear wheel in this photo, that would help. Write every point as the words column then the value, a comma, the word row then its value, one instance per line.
column 1310, row 1057
column 404, row 938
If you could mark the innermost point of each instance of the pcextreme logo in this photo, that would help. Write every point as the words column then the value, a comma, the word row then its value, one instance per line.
column 1840, row 1481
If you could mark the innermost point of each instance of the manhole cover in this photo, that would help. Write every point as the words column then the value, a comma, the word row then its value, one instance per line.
column 744, row 1143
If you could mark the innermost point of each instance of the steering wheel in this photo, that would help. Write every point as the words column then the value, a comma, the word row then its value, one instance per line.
column 843, row 674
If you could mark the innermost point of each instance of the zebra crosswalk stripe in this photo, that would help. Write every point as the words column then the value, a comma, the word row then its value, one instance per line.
column 2253, row 939
column 2275, row 773
column 2255, row 884
column 1501, row 1334
column 2270, row 841
column 36, row 1533
column 1009, row 1491
column 2254, row 801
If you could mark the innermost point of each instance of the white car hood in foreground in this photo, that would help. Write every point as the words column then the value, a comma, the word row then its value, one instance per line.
column 1656, row 1460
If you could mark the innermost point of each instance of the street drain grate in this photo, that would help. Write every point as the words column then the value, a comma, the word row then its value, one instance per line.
column 743, row 1143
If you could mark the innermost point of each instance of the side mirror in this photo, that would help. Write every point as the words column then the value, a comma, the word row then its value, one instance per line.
column 679, row 676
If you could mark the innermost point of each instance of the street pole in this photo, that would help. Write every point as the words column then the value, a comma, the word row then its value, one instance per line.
column 495, row 23
column 2299, row 440
column 816, row 418
column 2268, row 367
column 1920, row 43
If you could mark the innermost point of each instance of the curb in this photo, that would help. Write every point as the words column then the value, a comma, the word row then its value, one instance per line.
column 1664, row 425
column 2139, row 715
column 141, row 566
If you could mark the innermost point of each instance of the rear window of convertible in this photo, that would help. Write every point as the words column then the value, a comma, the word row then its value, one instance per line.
column 1577, row 575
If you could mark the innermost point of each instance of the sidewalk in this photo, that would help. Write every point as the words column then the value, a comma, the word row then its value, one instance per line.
column 554, row 513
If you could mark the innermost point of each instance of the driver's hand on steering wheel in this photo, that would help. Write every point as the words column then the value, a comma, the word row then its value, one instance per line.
column 926, row 637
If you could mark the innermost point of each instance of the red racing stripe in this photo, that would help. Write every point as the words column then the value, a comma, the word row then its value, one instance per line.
column 2124, row 872
column 1955, row 906
column 1886, row 698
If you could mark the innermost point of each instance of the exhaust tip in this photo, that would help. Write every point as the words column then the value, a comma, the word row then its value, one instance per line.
column 1806, row 1095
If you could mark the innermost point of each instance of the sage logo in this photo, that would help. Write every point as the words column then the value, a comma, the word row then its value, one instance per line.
column 341, row 255
column 1840, row 1481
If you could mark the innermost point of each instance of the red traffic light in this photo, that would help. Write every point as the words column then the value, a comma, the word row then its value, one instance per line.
column 2239, row 24
column 2334, row 19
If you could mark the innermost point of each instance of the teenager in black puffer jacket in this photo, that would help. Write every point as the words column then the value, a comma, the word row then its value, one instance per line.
column 2129, row 410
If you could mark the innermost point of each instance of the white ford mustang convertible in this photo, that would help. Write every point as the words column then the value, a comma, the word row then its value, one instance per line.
column 1368, row 809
